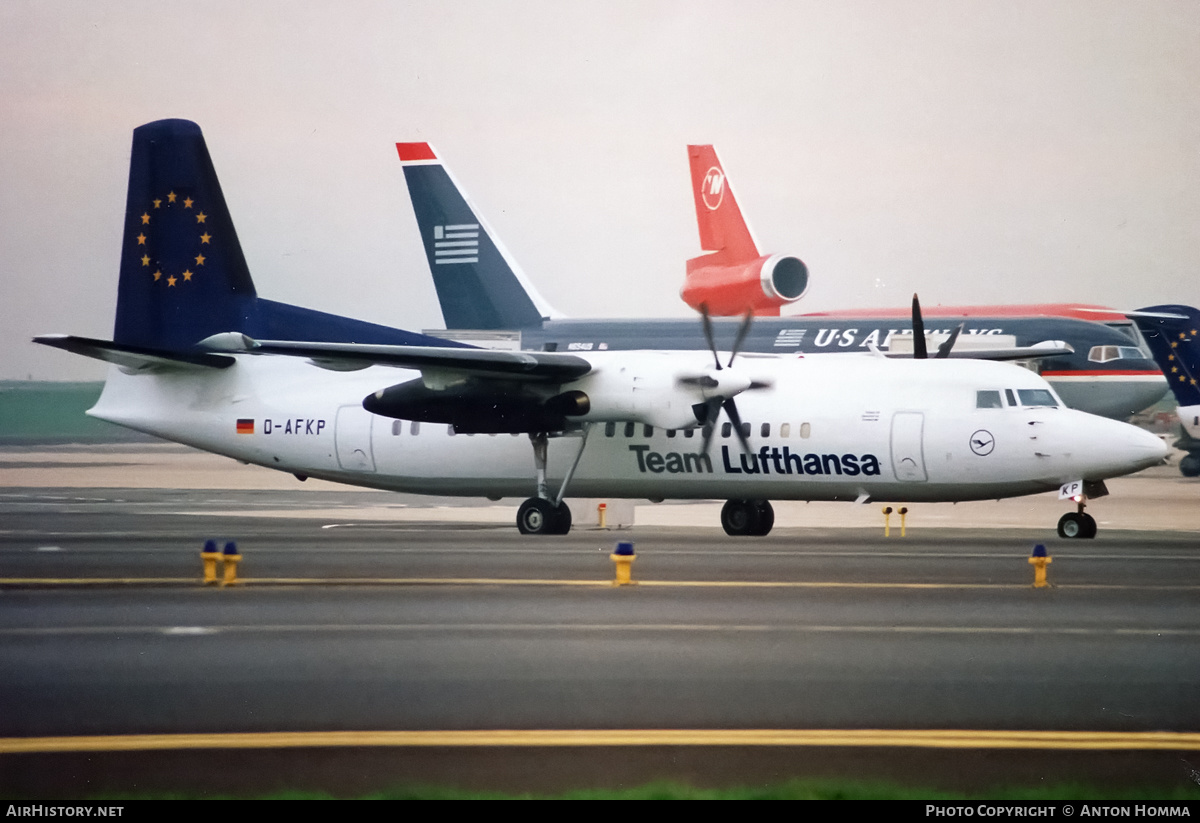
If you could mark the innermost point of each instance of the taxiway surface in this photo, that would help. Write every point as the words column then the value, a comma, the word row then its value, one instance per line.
column 352, row 622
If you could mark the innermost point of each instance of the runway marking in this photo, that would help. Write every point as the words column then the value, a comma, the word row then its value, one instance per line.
column 626, row 628
column 918, row 738
column 601, row 583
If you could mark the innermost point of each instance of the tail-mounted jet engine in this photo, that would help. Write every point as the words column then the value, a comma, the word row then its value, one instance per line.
column 760, row 286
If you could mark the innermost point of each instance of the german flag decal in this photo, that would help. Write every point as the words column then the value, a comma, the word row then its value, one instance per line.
column 245, row 425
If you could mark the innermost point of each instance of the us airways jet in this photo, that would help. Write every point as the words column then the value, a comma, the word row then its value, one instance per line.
column 198, row 358
column 1092, row 366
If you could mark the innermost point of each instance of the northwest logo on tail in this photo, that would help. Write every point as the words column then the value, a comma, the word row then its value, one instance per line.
column 712, row 190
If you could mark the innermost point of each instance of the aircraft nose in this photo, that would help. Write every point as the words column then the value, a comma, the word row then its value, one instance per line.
column 1124, row 448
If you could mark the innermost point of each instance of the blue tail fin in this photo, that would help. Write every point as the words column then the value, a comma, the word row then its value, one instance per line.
column 183, row 274
column 1175, row 344
column 478, row 284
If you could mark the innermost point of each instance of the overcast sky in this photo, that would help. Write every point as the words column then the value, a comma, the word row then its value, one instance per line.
column 974, row 152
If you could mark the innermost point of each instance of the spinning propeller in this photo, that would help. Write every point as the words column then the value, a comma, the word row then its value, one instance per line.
column 720, row 384
column 920, row 351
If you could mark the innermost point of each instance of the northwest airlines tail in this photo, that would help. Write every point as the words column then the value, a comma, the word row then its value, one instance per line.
column 735, row 277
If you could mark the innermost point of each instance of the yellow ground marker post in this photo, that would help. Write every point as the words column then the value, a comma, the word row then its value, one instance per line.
column 232, row 558
column 623, row 557
column 887, row 521
column 903, row 512
column 210, row 556
column 1039, row 560
column 602, row 515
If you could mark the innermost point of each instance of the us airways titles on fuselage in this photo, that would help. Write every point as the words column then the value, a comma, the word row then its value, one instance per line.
column 784, row 461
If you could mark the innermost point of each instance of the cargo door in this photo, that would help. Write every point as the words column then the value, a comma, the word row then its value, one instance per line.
column 908, row 456
column 352, row 436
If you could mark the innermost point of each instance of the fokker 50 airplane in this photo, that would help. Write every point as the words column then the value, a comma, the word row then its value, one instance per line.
column 199, row 359
column 1093, row 367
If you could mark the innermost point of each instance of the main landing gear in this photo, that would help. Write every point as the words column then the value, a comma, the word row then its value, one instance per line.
column 1077, row 524
column 541, row 514
column 742, row 518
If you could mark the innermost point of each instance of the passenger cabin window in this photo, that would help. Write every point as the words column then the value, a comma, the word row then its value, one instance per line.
column 1037, row 397
column 988, row 400
column 397, row 427
column 648, row 430
column 629, row 430
column 805, row 430
column 450, row 430
column 726, row 429
column 765, row 430
column 689, row 433
column 785, row 430
column 670, row 432
column 745, row 430
column 415, row 428
column 610, row 429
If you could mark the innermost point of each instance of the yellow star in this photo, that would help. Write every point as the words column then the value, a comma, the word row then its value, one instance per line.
column 145, row 218
column 1182, row 336
column 199, row 259
column 1182, row 378
column 1170, row 357
column 171, row 197
column 171, row 280
column 141, row 239
column 145, row 260
column 187, row 275
column 187, row 203
column 1173, row 344
column 157, row 276
column 1174, row 369
column 204, row 238
column 200, row 217
column 157, row 202
column 1193, row 381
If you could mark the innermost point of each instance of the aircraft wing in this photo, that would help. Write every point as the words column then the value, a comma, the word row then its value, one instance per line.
column 1016, row 353
column 551, row 367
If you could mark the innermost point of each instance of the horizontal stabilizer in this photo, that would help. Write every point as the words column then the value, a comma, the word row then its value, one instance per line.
column 134, row 358
column 469, row 362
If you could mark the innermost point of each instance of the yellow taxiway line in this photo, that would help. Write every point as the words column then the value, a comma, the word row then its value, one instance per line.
column 506, row 581
column 918, row 738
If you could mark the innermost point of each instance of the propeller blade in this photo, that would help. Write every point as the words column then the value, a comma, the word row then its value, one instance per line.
column 712, row 408
column 920, row 351
column 743, row 330
column 706, row 323
column 948, row 343
column 735, row 418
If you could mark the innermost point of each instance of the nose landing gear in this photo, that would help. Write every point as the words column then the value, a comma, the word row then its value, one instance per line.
column 1077, row 524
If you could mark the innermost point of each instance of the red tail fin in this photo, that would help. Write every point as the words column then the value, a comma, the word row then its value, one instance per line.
column 722, row 228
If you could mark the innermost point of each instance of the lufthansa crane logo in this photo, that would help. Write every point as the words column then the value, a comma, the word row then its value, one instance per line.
column 982, row 442
column 712, row 188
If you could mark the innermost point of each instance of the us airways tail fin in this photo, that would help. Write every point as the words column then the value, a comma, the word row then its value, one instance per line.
column 479, row 285
column 1173, row 334
column 735, row 277
column 183, row 276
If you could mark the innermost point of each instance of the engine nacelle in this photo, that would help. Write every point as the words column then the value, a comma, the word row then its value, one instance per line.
column 760, row 286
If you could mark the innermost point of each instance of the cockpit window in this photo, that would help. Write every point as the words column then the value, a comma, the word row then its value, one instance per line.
column 1106, row 354
column 1037, row 397
column 988, row 400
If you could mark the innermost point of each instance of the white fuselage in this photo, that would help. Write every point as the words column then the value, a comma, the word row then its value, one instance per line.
column 828, row 428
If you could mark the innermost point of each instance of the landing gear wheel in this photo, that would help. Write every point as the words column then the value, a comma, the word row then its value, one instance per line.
column 740, row 518
column 537, row 516
column 766, row 517
column 562, row 520
column 1077, row 525
column 1189, row 465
